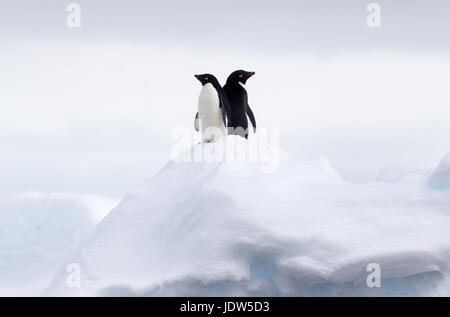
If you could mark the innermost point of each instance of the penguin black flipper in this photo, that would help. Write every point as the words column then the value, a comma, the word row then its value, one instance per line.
column 226, row 108
column 251, row 117
column 196, row 125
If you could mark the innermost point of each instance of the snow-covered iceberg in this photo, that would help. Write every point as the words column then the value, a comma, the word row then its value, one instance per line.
column 229, row 229
column 38, row 231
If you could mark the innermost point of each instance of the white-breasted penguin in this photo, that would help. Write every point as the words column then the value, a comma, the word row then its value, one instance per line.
column 214, row 110
column 238, row 99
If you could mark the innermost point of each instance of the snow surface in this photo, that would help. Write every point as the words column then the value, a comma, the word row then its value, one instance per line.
column 38, row 232
column 228, row 229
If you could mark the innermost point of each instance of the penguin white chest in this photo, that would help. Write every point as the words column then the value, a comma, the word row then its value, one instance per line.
column 210, row 114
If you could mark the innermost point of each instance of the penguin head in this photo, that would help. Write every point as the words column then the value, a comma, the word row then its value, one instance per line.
column 207, row 79
column 240, row 76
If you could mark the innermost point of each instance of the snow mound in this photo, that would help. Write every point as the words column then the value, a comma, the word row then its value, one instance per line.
column 396, row 173
column 38, row 232
column 229, row 229
column 440, row 179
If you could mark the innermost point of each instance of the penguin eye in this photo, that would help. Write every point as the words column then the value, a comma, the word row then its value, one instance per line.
column 240, row 76
column 206, row 78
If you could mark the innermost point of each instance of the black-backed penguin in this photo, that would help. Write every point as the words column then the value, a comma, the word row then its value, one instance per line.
column 214, row 111
column 238, row 98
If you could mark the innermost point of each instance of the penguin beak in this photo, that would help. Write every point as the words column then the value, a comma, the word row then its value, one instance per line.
column 198, row 78
column 250, row 74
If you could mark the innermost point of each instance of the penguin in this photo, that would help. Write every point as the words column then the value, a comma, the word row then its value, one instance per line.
column 214, row 111
column 238, row 99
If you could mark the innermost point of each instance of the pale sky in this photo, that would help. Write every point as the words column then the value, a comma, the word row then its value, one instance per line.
column 324, row 26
